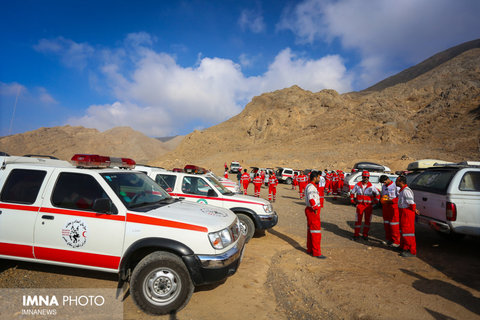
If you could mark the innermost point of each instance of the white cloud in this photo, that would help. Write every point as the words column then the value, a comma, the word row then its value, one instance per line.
column 385, row 31
column 72, row 54
column 251, row 20
column 38, row 94
column 159, row 97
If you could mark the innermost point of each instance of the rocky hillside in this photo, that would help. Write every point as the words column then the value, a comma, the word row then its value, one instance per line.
column 435, row 114
column 64, row 142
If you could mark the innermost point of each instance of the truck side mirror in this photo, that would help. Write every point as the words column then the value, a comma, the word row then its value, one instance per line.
column 104, row 205
column 211, row 193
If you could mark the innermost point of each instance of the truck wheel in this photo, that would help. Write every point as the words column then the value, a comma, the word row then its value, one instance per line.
column 160, row 283
column 247, row 227
column 289, row 181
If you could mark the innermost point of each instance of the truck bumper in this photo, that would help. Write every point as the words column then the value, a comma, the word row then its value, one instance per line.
column 267, row 222
column 206, row 269
column 435, row 224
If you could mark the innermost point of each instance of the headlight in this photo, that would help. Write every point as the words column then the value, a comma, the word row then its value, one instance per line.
column 220, row 239
column 268, row 208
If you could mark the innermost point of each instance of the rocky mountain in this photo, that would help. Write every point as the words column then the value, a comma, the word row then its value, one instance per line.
column 64, row 142
column 431, row 111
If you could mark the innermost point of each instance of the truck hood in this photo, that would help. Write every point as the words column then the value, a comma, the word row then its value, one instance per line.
column 210, row 217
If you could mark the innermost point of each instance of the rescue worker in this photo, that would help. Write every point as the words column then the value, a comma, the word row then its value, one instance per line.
column 245, row 180
column 272, row 187
column 328, row 182
column 391, row 216
column 294, row 181
column 302, row 183
column 312, row 212
column 226, row 173
column 341, row 178
column 364, row 195
column 408, row 210
column 267, row 177
column 239, row 177
column 257, row 184
column 334, row 183
column 321, row 188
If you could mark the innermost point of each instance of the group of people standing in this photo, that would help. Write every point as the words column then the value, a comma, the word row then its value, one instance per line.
column 398, row 209
column 259, row 178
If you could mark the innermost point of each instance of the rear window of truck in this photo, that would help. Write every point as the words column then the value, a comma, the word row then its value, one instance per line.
column 22, row 186
column 435, row 181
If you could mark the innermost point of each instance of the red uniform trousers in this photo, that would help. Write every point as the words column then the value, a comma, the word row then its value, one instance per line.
column 272, row 190
column 314, row 231
column 301, row 189
column 256, row 188
column 245, row 186
column 391, row 222
column 334, row 187
column 321, row 193
column 407, row 227
column 361, row 210
column 328, row 184
column 294, row 183
column 340, row 186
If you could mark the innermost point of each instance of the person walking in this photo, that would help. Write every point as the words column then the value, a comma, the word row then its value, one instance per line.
column 239, row 177
column 364, row 195
column 408, row 210
column 257, row 184
column 294, row 181
column 225, row 175
column 245, row 180
column 312, row 212
column 321, row 188
column 391, row 215
column 272, row 187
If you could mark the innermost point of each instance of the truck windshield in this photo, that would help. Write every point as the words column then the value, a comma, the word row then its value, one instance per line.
column 136, row 189
column 435, row 181
column 219, row 186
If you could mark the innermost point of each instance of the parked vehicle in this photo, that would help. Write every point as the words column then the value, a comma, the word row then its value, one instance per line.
column 235, row 167
column 284, row 175
column 92, row 216
column 448, row 198
column 371, row 167
column 253, row 213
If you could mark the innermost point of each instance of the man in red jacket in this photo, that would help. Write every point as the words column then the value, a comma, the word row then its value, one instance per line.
column 321, row 188
column 312, row 211
column 302, row 183
column 272, row 186
column 257, row 184
column 364, row 195
column 245, row 180
column 391, row 215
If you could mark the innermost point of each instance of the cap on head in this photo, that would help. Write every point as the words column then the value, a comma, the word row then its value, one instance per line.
column 365, row 174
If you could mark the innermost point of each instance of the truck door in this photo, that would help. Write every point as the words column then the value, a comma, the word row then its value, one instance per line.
column 70, row 230
column 19, row 205
column 197, row 189
column 467, row 201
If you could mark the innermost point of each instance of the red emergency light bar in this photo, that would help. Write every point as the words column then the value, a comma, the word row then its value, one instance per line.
column 190, row 168
column 96, row 161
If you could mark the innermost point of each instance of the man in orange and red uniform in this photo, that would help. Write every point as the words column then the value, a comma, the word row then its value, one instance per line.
column 391, row 215
column 328, row 182
column 334, row 182
column 302, row 183
column 312, row 211
column 364, row 195
column 408, row 210
column 245, row 180
column 341, row 177
column 257, row 184
column 272, row 186
column 294, row 180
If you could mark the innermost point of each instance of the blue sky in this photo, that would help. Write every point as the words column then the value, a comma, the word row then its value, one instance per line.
column 170, row 67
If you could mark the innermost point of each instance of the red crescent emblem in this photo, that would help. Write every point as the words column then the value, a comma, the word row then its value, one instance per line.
column 83, row 234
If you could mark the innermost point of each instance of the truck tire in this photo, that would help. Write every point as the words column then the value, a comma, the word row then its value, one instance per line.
column 289, row 181
column 247, row 227
column 161, row 284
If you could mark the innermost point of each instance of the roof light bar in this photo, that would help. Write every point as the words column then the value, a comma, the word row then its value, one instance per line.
column 97, row 161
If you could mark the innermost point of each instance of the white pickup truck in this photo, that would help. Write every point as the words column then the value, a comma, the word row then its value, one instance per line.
column 92, row 216
column 253, row 213
column 448, row 198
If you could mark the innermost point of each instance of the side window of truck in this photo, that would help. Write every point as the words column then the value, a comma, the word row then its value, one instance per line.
column 470, row 181
column 195, row 185
column 22, row 186
column 76, row 191
column 166, row 181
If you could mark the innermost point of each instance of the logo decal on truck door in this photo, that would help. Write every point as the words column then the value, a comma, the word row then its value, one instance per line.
column 75, row 233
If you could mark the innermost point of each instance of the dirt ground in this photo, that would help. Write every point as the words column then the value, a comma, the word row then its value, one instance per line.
column 278, row 280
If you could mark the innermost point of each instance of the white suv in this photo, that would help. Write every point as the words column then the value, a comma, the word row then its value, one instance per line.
column 253, row 213
column 117, row 221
